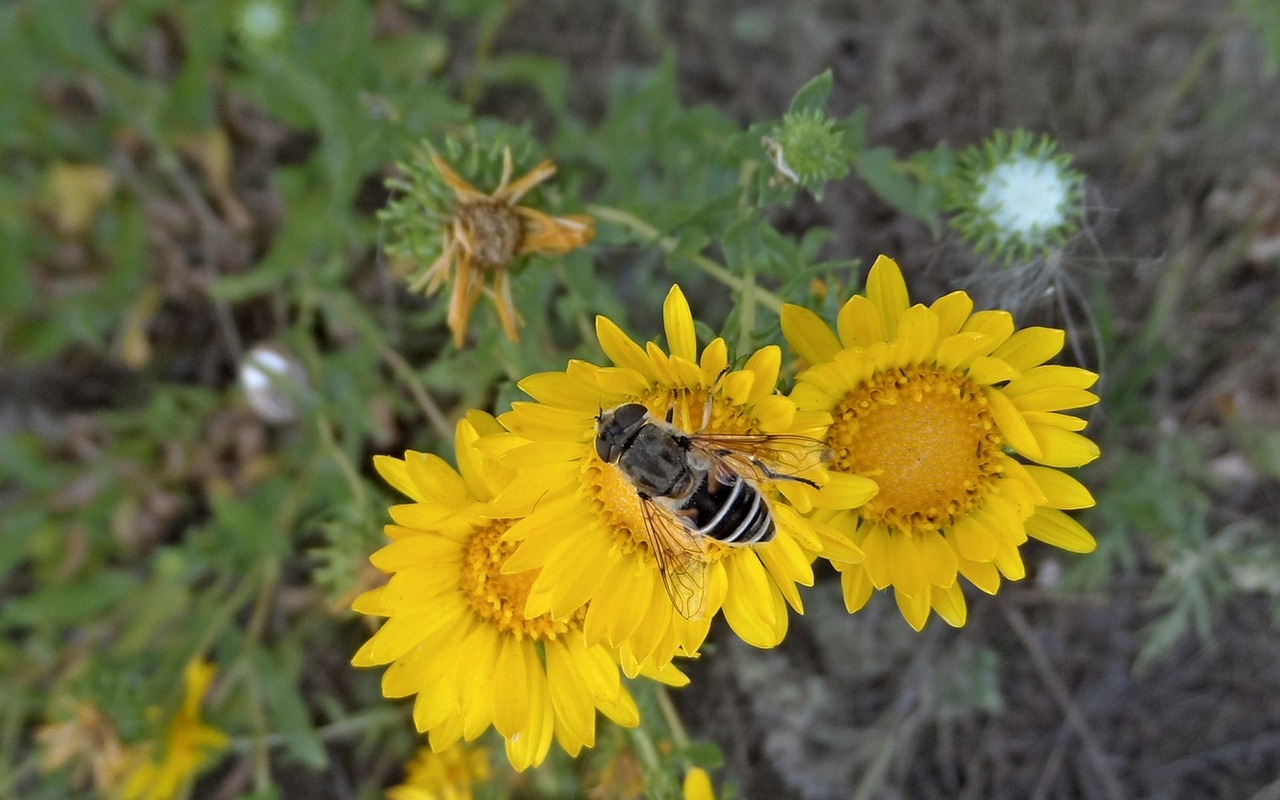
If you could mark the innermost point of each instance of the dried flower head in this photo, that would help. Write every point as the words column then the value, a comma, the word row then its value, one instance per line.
column 474, row 238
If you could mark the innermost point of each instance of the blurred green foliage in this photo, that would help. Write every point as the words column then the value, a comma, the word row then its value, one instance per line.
column 182, row 180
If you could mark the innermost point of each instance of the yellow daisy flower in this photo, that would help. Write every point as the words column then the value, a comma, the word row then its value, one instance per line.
column 162, row 773
column 447, row 775
column 927, row 402
column 486, row 233
column 586, row 531
column 458, row 636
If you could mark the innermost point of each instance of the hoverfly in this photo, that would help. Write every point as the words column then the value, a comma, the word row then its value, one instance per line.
column 699, row 486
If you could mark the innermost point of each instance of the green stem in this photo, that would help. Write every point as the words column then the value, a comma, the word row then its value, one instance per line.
column 678, row 734
column 717, row 271
column 345, row 466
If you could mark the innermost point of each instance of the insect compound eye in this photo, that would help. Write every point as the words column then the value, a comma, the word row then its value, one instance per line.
column 630, row 415
column 615, row 428
column 605, row 447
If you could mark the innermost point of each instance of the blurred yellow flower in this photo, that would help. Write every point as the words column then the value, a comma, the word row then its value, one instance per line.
column 159, row 773
column 458, row 635
column 925, row 401
column 486, row 233
column 447, row 775
column 697, row 785
column 586, row 531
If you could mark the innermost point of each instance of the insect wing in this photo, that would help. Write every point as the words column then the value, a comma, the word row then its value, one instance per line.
column 681, row 555
column 761, row 456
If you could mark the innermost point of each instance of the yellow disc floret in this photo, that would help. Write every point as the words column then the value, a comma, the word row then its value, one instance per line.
column 925, row 435
column 499, row 598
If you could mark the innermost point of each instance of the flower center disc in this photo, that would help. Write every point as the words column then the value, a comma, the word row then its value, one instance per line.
column 494, row 234
column 926, row 437
column 498, row 598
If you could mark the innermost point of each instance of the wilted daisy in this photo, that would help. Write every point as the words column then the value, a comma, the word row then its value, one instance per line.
column 458, row 635
column 1016, row 196
column 89, row 741
column 928, row 402
column 161, row 772
column 586, row 531
column 475, row 238
column 450, row 774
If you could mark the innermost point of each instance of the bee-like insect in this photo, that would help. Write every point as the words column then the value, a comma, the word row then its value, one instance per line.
column 699, row 486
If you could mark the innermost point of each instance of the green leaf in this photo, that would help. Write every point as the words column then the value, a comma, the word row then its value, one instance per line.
column 550, row 76
column 813, row 95
column 53, row 605
column 705, row 754
column 286, row 707
column 891, row 180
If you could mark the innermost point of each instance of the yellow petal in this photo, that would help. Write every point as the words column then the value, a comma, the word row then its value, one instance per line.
column 972, row 541
column 748, row 605
column 996, row 324
column 369, row 603
column 1051, row 376
column 396, row 473
column 939, row 557
column 408, row 675
column 618, row 382
column 859, row 323
column 1009, row 561
column 1060, row 489
column 856, row 586
column 957, row 351
column 914, row 608
column 1055, row 420
column 1062, row 448
column 887, row 289
column 1056, row 528
column 1030, row 347
column 1015, row 430
column 715, row 357
column 793, row 525
column 917, row 334
column 953, row 311
column 907, row 566
column 764, row 364
column 549, row 387
column 511, row 680
column 877, row 558
column 621, row 350
column 622, row 711
column 479, row 653
column 436, row 480
column 1055, row 399
column 697, row 785
column 988, row 369
column 808, row 335
column 787, row 563
column 471, row 462
column 845, row 491
column 982, row 574
column 416, row 551
column 682, row 342
column 1015, row 470
column 950, row 605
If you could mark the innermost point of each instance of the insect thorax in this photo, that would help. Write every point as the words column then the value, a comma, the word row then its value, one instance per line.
column 657, row 464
